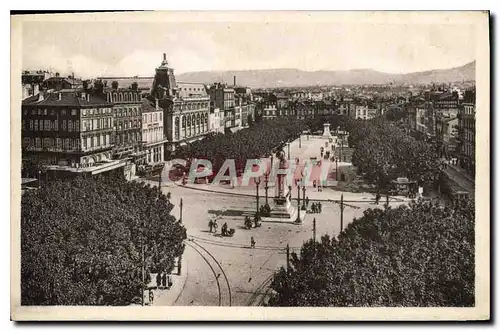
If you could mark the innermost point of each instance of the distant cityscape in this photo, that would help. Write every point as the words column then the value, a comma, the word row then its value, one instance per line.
column 107, row 123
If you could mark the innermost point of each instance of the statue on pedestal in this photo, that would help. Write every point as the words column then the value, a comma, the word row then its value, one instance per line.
column 280, row 198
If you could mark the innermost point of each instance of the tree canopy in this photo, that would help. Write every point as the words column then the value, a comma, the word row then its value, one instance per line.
column 255, row 142
column 384, row 152
column 412, row 256
column 81, row 241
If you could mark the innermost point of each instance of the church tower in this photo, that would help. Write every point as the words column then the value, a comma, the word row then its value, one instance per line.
column 164, row 85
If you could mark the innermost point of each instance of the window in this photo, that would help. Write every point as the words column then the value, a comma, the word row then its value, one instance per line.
column 77, row 125
column 56, row 125
column 64, row 124
column 41, row 125
column 96, row 143
column 38, row 143
column 48, row 125
column 45, row 112
column 160, row 116
column 84, row 112
column 36, row 125
column 31, row 124
column 150, row 117
column 58, row 143
column 145, row 120
column 63, row 112
column 70, row 125
column 156, row 117
column 102, row 140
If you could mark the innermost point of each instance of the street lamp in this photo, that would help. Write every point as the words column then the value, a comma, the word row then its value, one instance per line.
column 266, row 181
column 257, row 183
column 180, row 216
column 303, row 196
column 336, row 168
column 298, row 220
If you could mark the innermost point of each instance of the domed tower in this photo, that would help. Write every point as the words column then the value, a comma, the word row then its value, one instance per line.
column 164, row 85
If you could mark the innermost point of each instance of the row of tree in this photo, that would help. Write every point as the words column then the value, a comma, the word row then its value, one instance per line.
column 260, row 140
column 384, row 151
column 82, row 241
column 420, row 255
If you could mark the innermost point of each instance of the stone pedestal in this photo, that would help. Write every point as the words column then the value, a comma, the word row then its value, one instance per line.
column 283, row 209
column 326, row 130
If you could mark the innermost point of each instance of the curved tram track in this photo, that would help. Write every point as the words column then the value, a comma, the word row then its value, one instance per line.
column 207, row 256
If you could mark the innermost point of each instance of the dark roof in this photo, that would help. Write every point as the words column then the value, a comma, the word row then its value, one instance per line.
column 148, row 105
column 71, row 80
column 67, row 100
column 143, row 83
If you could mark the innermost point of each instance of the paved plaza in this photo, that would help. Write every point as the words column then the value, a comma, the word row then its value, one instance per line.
column 225, row 270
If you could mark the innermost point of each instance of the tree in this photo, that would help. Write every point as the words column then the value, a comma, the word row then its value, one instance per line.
column 81, row 241
column 114, row 85
column 420, row 255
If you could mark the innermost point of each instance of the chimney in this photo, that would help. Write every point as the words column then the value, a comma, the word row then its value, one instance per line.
column 59, row 96
column 88, row 97
column 234, row 80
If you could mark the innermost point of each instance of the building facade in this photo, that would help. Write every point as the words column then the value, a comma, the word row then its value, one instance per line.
column 71, row 129
column 153, row 138
column 186, row 108
column 467, row 132
column 127, row 123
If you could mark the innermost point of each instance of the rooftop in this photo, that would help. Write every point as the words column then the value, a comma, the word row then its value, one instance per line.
column 67, row 99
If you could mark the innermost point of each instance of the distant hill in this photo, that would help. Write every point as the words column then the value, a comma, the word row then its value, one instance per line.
column 295, row 77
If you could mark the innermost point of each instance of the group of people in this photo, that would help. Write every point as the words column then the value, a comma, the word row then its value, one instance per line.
column 316, row 207
column 163, row 281
column 212, row 225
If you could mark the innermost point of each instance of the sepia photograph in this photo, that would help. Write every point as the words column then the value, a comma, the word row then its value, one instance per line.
column 223, row 165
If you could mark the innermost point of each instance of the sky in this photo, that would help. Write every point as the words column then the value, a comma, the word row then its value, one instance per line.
column 91, row 49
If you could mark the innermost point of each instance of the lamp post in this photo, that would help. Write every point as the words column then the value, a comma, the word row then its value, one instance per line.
column 341, row 213
column 337, row 169
column 180, row 216
column 298, row 220
column 266, row 181
column 288, row 151
column 257, row 183
column 303, row 196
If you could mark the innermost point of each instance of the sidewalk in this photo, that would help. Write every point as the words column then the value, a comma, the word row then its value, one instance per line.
column 458, row 177
column 326, row 195
column 463, row 173
column 164, row 297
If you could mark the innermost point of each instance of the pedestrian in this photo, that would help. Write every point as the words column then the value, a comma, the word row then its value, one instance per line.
column 158, row 280
column 307, row 202
column 313, row 207
column 377, row 198
column 210, row 225
column 314, row 183
column 319, row 207
column 151, row 296
column 252, row 242
column 164, row 280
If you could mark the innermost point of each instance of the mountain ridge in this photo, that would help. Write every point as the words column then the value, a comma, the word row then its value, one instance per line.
column 291, row 77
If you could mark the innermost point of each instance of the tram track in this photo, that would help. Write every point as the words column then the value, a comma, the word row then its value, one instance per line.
column 236, row 245
column 211, row 267
column 221, row 269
